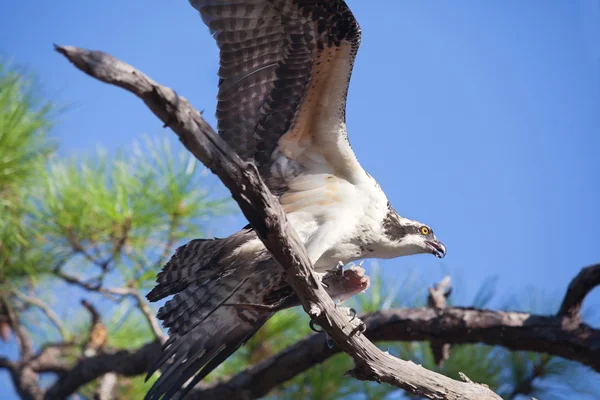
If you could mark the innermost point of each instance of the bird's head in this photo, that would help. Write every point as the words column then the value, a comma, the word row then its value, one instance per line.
column 408, row 237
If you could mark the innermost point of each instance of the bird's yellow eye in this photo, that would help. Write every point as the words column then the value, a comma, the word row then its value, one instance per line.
column 424, row 230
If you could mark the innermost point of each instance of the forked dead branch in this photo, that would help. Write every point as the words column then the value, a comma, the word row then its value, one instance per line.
column 266, row 216
column 576, row 341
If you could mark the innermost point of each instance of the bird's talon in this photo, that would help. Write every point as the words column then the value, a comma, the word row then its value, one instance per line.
column 338, row 269
column 330, row 342
column 352, row 314
column 313, row 326
column 361, row 327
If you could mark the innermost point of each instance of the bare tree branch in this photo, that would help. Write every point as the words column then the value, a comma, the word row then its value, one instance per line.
column 144, row 308
column 268, row 219
column 26, row 383
column 54, row 357
column 25, row 372
column 23, row 339
column 122, row 362
column 106, row 389
column 512, row 330
column 163, row 257
column 98, row 333
column 6, row 363
column 437, row 300
column 78, row 248
column 24, row 379
column 579, row 288
column 76, row 281
column 45, row 309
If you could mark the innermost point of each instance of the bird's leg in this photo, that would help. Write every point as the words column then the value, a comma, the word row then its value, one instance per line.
column 356, row 323
column 317, row 328
column 338, row 269
column 336, row 272
column 330, row 342
column 349, row 311
column 341, row 287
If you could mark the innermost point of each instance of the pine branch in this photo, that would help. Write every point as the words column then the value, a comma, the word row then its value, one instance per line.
column 24, row 378
column 98, row 334
column 122, row 362
column 437, row 300
column 164, row 256
column 23, row 339
column 78, row 282
column 53, row 357
column 52, row 316
column 144, row 309
column 579, row 288
column 511, row 330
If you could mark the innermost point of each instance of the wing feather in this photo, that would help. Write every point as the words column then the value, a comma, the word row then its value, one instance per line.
column 285, row 67
column 204, row 331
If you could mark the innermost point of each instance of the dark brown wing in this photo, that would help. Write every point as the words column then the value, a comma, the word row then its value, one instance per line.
column 283, row 63
column 205, row 277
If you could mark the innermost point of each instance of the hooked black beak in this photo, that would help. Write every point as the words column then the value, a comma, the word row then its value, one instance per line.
column 437, row 248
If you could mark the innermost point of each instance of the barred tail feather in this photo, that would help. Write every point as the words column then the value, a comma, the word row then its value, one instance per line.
column 191, row 262
column 200, row 351
column 208, row 277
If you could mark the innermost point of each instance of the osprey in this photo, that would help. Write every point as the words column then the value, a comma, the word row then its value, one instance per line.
column 285, row 67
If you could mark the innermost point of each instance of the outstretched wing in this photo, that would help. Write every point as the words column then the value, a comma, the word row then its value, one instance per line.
column 285, row 66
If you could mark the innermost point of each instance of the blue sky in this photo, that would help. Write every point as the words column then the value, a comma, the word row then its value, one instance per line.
column 481, row 119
